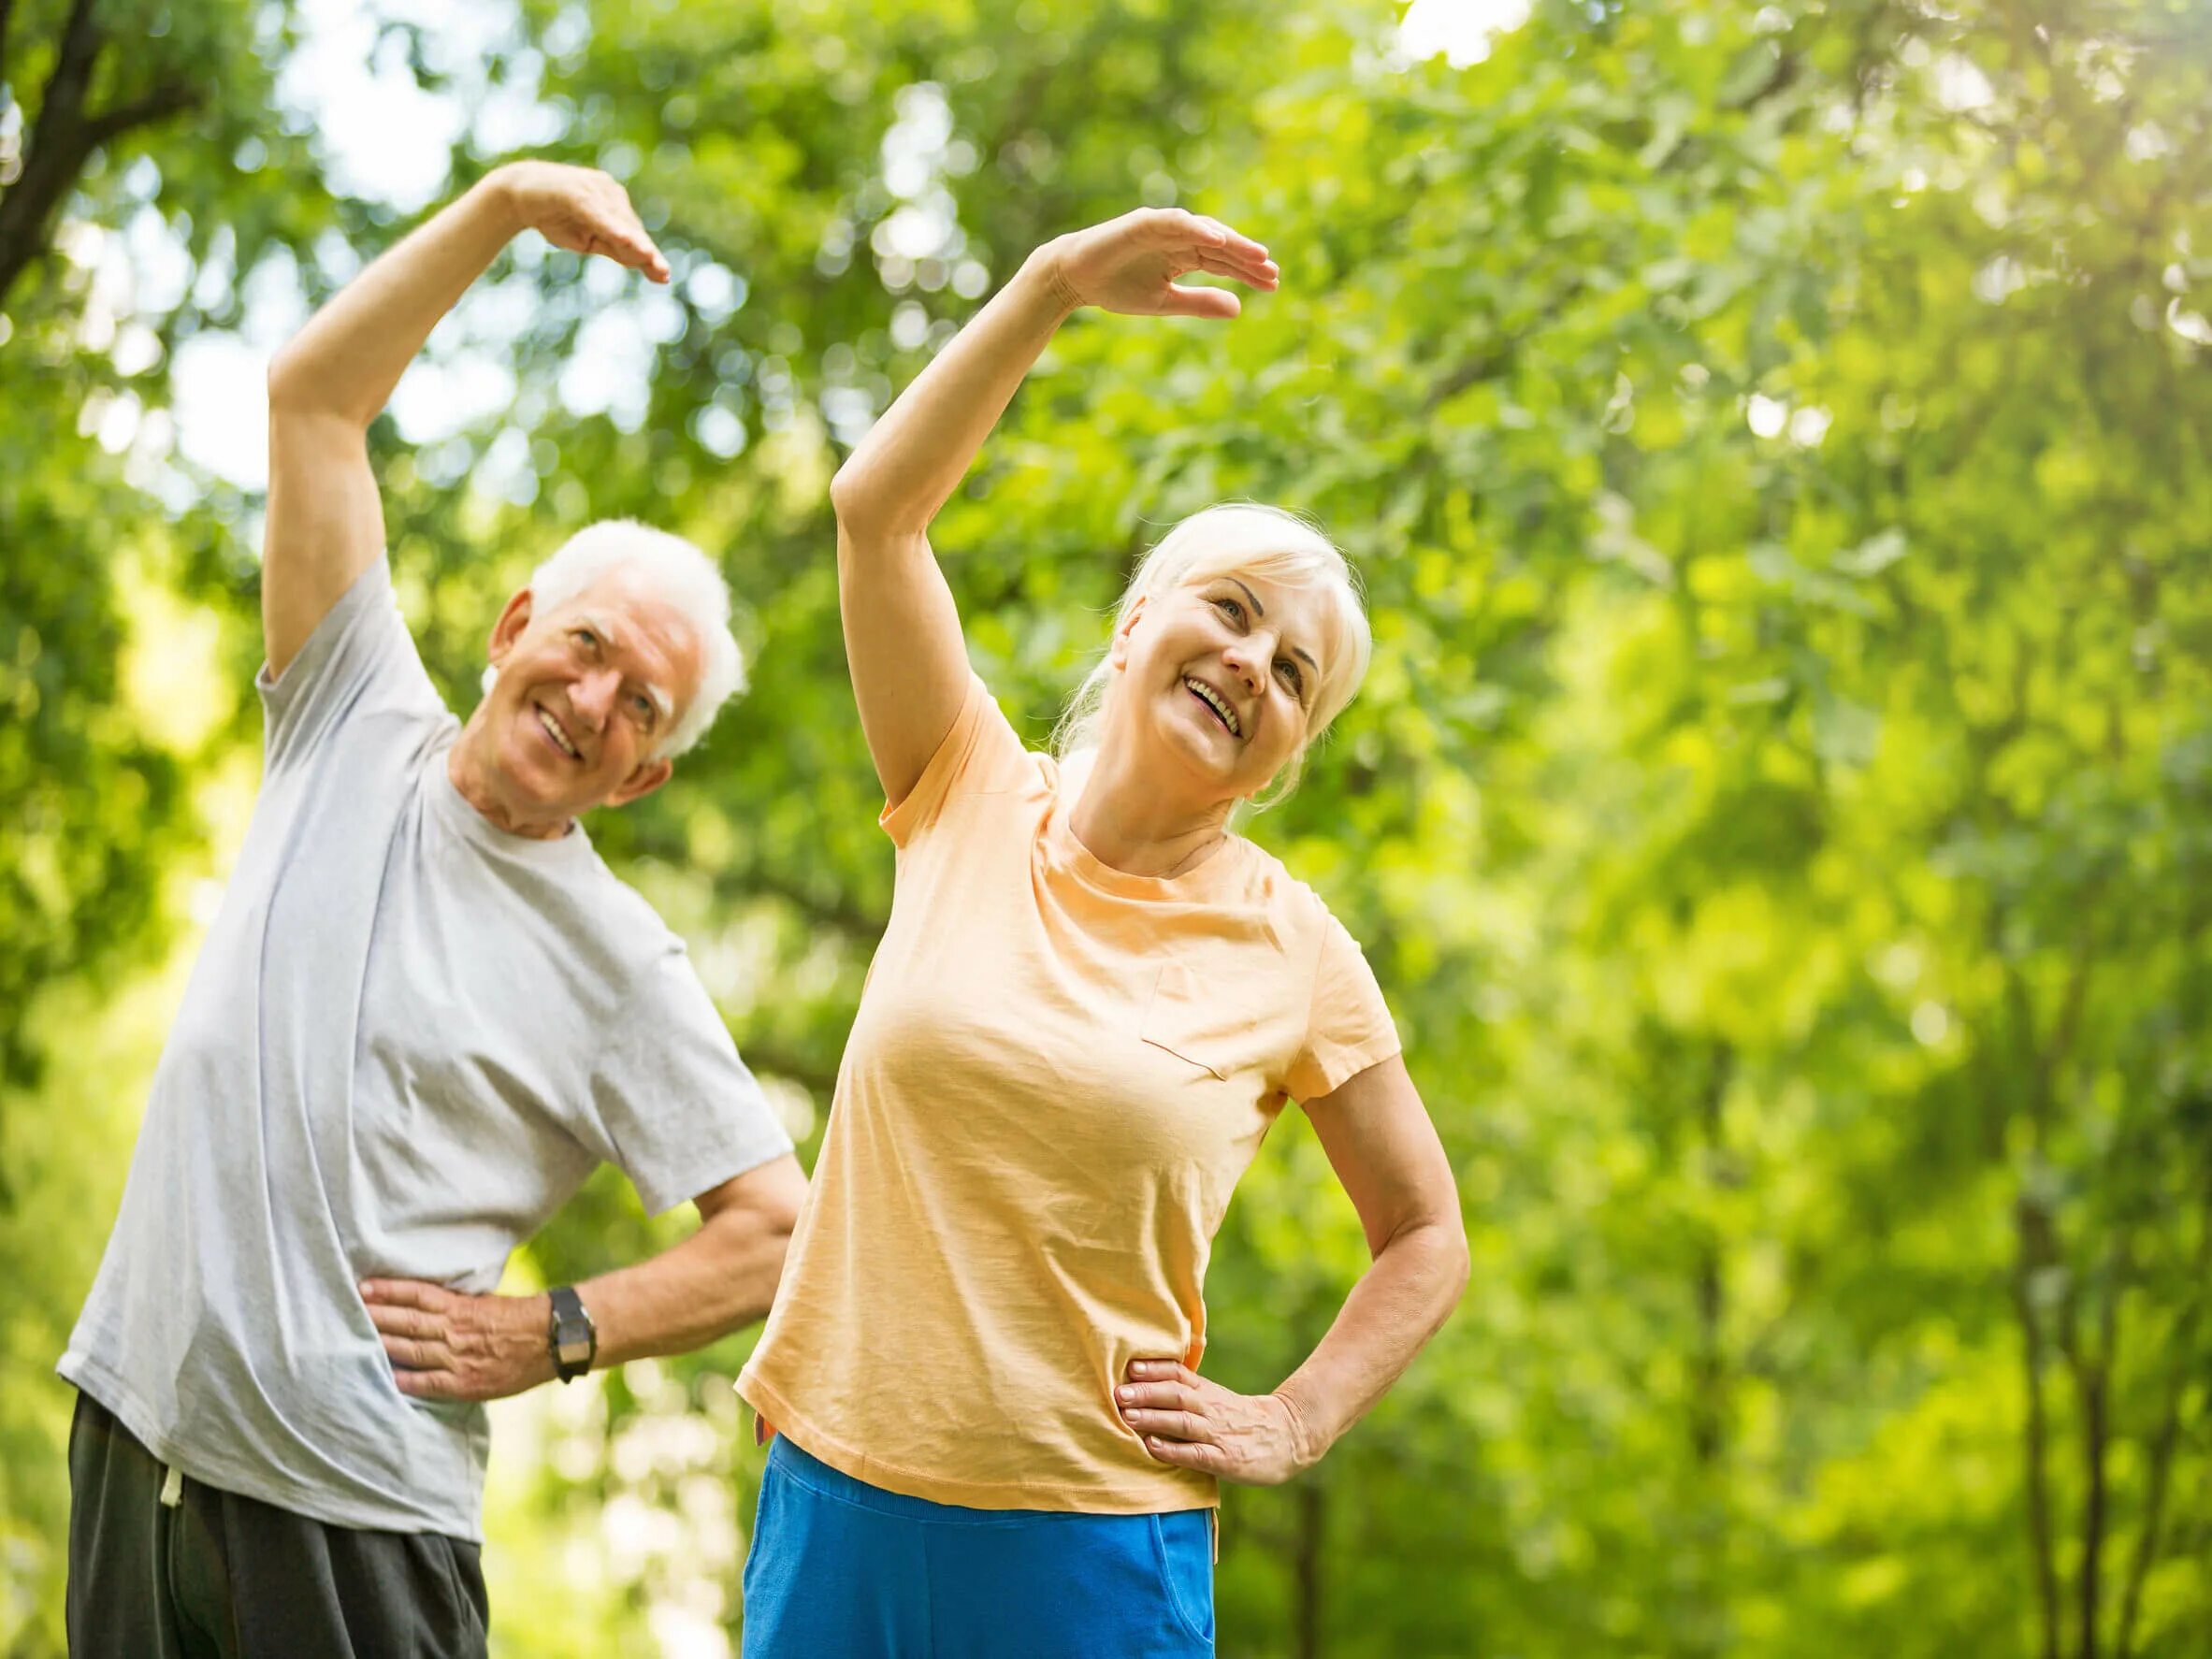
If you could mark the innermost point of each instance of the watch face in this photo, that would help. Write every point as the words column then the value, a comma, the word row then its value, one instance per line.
column 575, row 1349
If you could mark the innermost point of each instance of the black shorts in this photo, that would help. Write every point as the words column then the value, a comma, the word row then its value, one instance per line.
column 209, row 1573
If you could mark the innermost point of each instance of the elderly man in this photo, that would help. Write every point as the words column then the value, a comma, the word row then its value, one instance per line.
column 425, row 1014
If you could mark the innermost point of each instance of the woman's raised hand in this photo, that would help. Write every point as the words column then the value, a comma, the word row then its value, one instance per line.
column 1131, row 263
column 582, row 209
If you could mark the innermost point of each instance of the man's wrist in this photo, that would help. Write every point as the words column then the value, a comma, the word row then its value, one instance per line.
column 571, row 1337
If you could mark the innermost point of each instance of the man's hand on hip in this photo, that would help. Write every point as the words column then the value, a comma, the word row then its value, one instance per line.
column 447, row 1346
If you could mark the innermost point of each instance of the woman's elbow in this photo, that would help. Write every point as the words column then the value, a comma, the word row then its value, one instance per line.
column 851, row 497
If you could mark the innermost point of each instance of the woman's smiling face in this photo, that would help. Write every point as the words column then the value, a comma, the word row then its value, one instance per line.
column 1218, row 678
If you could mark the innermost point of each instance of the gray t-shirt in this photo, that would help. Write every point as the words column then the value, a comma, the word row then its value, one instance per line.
column 409, row 1038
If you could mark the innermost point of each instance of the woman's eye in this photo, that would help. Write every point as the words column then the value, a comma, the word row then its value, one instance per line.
column 1289, row 671
column 1231, row 609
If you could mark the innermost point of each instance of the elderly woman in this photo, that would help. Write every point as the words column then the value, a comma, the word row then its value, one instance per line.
column 991, row 1435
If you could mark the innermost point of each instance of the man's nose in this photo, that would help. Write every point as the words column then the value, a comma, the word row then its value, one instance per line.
column 593, row 694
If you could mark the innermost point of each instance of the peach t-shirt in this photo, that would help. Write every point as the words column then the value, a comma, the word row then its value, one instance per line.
column 1057, row 1076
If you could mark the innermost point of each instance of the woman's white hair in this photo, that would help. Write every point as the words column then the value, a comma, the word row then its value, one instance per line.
column 1243, row 537
column 681, row 577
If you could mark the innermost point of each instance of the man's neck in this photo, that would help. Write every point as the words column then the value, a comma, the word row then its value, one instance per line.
column 475, row 780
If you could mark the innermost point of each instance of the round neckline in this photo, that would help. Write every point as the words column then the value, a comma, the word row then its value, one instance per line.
column 460, row 812
column 1062, row 839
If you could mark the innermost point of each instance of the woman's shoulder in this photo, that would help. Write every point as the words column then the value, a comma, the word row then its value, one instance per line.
column 1265, row 880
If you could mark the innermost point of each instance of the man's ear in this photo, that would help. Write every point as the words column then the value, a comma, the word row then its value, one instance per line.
column 1118, row 652
column 509, row 628
column 643, row 779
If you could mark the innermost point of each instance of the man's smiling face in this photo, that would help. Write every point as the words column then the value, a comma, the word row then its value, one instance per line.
column 586, row 696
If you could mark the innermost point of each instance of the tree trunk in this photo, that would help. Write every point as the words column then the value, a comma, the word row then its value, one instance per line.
column 62, row 139
column 1305, row 1638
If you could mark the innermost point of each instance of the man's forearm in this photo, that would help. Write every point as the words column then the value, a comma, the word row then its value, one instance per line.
column 720, row 1278
column 353, row 352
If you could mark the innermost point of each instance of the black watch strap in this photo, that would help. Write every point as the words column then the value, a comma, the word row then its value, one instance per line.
column 572, row 1337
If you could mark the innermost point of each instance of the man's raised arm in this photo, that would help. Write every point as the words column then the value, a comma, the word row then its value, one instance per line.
column 326, row 524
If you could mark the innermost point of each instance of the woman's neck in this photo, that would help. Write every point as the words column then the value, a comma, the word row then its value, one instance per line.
column 1127, row 822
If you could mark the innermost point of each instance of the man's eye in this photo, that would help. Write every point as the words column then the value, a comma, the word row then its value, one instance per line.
column 644, row 706
column 585, row 637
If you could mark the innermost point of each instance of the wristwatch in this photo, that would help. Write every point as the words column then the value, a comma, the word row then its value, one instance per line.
column 571, row 1335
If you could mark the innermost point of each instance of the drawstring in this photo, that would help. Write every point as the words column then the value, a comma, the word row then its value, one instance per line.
column 172, row 1488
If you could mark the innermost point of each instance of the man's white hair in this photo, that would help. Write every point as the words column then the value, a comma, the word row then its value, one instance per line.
column 681, row 577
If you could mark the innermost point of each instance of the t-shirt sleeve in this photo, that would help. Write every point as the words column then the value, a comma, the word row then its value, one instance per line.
column 981, row 755
column 1349, row 1027
column 360, row 658
column 671, row 1104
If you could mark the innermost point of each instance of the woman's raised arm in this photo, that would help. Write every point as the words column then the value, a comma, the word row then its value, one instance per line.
column 901, row 632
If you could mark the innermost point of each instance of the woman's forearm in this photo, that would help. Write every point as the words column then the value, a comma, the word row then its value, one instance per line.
column 353, row 352
column 914, row 456
column 1400, row 1302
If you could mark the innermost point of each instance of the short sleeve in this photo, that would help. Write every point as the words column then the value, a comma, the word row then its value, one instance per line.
column 360, row 658
column 1349, row 1027
column 981, row 755
column 671, row 1106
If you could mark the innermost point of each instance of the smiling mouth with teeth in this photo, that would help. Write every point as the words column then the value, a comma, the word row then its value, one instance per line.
column 1214, row 700
column 560, row 738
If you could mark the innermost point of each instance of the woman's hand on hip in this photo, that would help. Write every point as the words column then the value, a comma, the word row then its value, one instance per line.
column 1131, row 263
column 1195, row 1424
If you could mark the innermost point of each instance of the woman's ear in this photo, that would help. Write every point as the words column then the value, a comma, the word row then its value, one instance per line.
column 1118, row 653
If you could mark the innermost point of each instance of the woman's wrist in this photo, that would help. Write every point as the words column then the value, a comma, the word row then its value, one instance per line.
column 1043, row 269
column 1307, row 1443
column 500, row 195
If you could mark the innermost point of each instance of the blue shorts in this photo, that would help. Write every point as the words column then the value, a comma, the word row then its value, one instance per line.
column 840, row 1569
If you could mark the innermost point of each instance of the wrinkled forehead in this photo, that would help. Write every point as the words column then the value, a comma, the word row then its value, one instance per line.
column 652, row 635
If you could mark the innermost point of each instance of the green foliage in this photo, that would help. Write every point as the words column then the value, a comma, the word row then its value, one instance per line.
column 1773, row 437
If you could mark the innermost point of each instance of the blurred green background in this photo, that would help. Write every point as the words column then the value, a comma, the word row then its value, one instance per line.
column 1776, row 440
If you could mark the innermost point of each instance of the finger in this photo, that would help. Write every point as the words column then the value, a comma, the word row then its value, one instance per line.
column 1187, row 1454
column 1234, row 242
column 1261, row 274
column 426, row 1385
column 414, row 1354
column 1161, row 1370
column 634, row 247
column 1172, row 1425
column 403, row 1292
column 1200, row 302
column 1171, row 227
column 405, row 1321
column 1159, row 1396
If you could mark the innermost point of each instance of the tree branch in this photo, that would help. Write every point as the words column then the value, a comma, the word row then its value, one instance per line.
column 7, row 9
column 2161, row 1452
column 2038, row 1445
column 64, row 138
column 170, row 98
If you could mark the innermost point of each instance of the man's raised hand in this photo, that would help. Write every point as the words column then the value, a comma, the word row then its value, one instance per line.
column 581, row 209
column 1131, row 263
